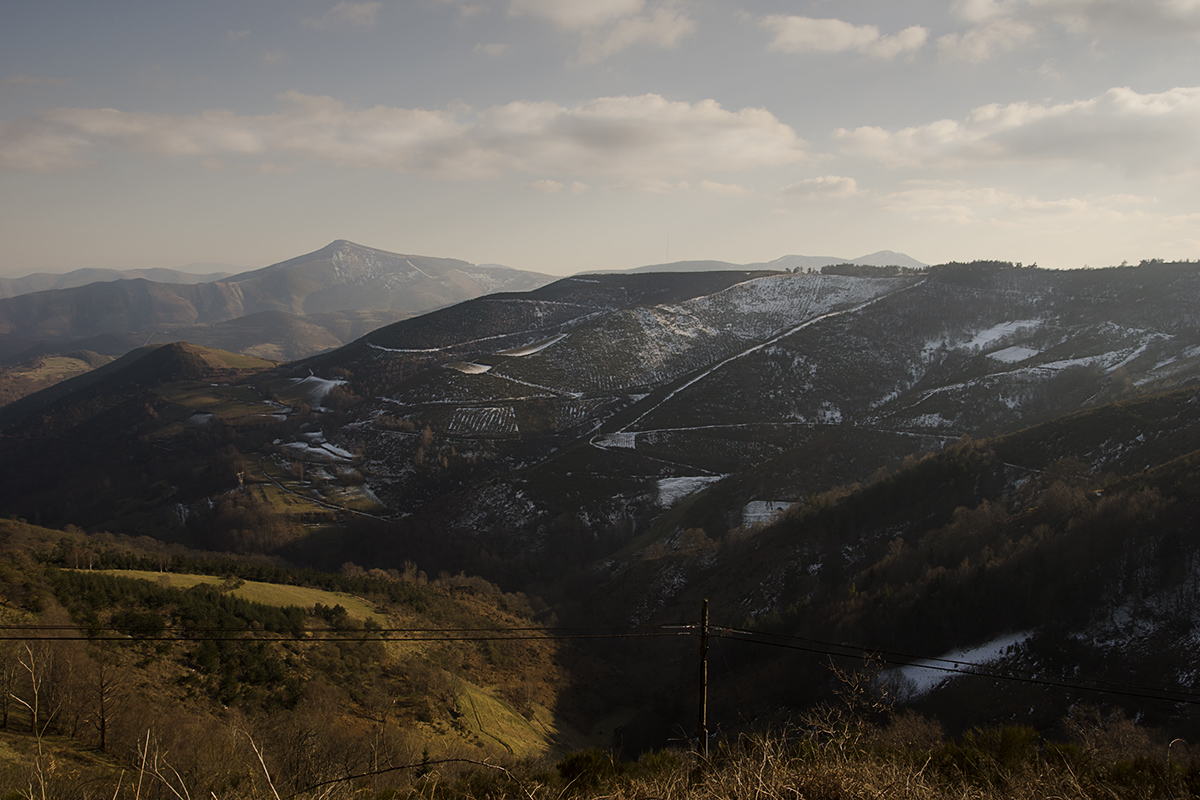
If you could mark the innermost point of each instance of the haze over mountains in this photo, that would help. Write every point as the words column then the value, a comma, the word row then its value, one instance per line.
column 312, row 303
column 308, row 304
column 882, row 258
column 47, row 281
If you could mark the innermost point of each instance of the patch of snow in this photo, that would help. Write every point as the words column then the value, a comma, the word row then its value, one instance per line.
column 829, row 414
column 325, row 453
column 535, row 348
column 672, row 490
column 337, row 451
column 763, row 511
column 627, row 440
column 316, row 388
column 467, row 368
column 1014, row 354
column 996, row 332
column 925, row 676
column 199, row 418
column 930, row 421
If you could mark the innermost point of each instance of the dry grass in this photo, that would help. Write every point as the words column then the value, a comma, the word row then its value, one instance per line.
column 753, row 767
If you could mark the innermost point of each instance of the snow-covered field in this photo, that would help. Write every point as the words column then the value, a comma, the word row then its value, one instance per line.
column 763, row 511
column 533, row 349
column 672, row 490
column 467, row 368
column 925, row 676
column 984, row 338
column 315, row 388
column 1014, row 354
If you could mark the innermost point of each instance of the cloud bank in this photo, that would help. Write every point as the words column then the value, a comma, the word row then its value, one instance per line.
column 641, row 137
column 807, row 35
column 1120, row 128
column 607, row 27
column 1001, row 26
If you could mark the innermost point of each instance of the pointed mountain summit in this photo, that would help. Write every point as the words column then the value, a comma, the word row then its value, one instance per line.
column 344, row 276
column 889, row 258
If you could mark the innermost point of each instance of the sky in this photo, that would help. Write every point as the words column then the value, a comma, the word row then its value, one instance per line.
column 569, row 135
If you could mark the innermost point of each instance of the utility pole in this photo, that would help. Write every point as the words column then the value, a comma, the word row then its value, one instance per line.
column 702, row 723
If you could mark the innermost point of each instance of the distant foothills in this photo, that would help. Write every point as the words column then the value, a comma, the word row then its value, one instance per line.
column 55, row 326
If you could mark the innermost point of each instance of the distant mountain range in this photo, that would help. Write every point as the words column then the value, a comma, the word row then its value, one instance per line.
column 318, row 301
column 305, row 305
column 47, row 281
column 883, row 258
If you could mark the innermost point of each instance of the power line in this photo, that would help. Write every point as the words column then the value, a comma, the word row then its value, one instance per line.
column 183, row 633
column 971, row 669
column 956, row 665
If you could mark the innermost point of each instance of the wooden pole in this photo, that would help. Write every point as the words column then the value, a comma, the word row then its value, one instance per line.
column 702, row 723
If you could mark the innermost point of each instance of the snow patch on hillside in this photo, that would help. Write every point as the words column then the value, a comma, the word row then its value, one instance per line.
column 626, row 440
column 535, row 348
column 323, row 452
column 468, row 368
column 1014, row 354
column 924, row 676
column 997, row 332
column 672, row 490
column 758, row 512
column 316, row 388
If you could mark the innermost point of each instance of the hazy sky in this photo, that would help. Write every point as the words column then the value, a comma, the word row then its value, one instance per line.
column 564, row 135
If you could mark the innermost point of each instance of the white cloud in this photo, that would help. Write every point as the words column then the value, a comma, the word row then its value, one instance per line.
column 578, row 187
column 823, row 186
column 663, row 28
column 1001, row 26
column 654, row 186
column 345, row 14
column 723, row 188
column 808, row 35
column 607, row 27
column 545, row 186
column 1120, row 128
column 577, row 14
column 492, row 50
column 639, row 138
column 234, row 36
column 949, row 203
column 984, row 41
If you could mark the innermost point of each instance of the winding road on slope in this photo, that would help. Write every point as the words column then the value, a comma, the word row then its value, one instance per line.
column 729, row 359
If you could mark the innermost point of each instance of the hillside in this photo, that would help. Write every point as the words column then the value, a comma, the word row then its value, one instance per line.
column 189, row 654
column 601, row 414
column 328, row 296
column 35, row 374
column 973, row 458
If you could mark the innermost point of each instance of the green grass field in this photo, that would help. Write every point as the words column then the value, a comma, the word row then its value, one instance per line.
column 228, row 402
column 271, row 594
